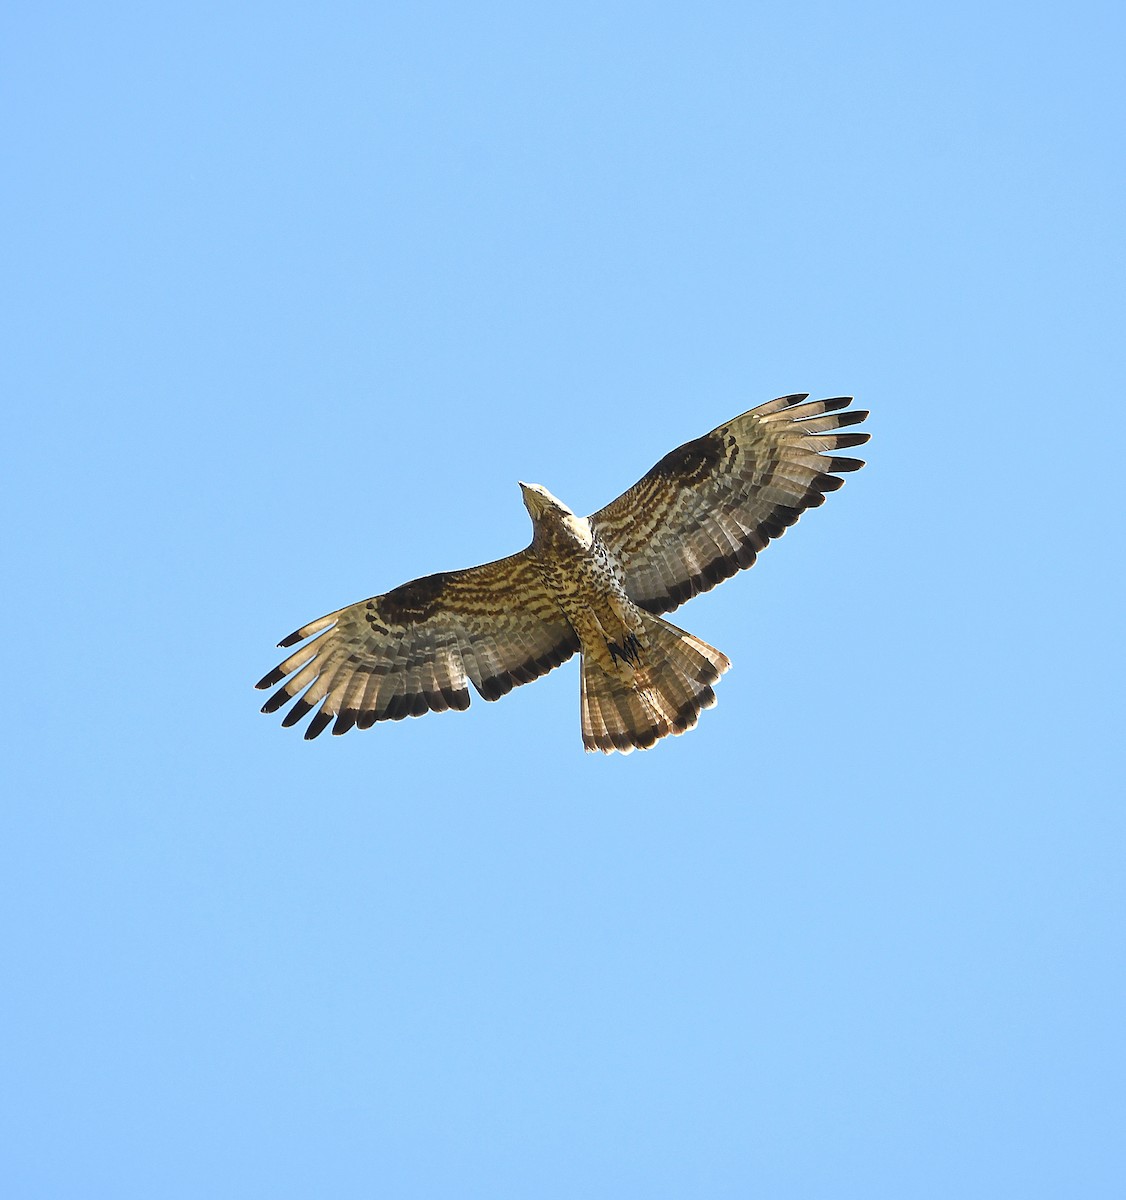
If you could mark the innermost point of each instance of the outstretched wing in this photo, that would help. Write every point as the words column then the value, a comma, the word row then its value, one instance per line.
column 708, row 507
column 412, row 650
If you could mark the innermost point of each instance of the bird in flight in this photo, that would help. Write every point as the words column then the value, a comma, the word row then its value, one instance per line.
column 595, row 586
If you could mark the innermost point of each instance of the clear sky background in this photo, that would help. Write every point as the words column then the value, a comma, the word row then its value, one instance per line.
column 293, row 296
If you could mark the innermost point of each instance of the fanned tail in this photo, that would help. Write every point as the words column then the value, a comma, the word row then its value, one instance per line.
column 663, row 693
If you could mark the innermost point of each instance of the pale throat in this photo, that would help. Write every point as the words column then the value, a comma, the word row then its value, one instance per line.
column 579, row 528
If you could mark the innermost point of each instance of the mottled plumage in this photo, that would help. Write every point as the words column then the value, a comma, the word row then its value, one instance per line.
column 594, row 585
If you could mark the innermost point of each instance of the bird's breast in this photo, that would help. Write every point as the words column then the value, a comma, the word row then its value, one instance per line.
column 581, row 573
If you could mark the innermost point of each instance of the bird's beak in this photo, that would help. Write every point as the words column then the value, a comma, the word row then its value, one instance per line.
column 532, row 501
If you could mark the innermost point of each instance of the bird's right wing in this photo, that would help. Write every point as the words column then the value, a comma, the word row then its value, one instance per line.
column 412, row 649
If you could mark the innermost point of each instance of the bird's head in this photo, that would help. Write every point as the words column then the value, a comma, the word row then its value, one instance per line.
column 539, row 501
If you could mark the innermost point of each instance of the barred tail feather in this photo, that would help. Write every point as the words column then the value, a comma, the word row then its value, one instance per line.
column 631, row 708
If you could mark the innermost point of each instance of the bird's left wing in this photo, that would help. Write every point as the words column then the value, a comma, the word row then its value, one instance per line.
column 709, row 506
column 413, row 649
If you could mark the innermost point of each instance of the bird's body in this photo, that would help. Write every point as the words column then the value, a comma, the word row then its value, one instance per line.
column 635, row 688
column 590, row 584
column 580, row 574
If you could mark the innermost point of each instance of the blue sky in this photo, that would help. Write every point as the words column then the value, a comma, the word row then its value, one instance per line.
column 294, row 297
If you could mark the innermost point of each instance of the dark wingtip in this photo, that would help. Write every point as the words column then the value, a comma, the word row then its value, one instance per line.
column 280, row 697
column 292, row 640
column 845, row 464
column 835, row 402
column 845, row 440
column 300, row 709
column 318, row 725
column 268, row 681
column 345, row 721
column 796, row 398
